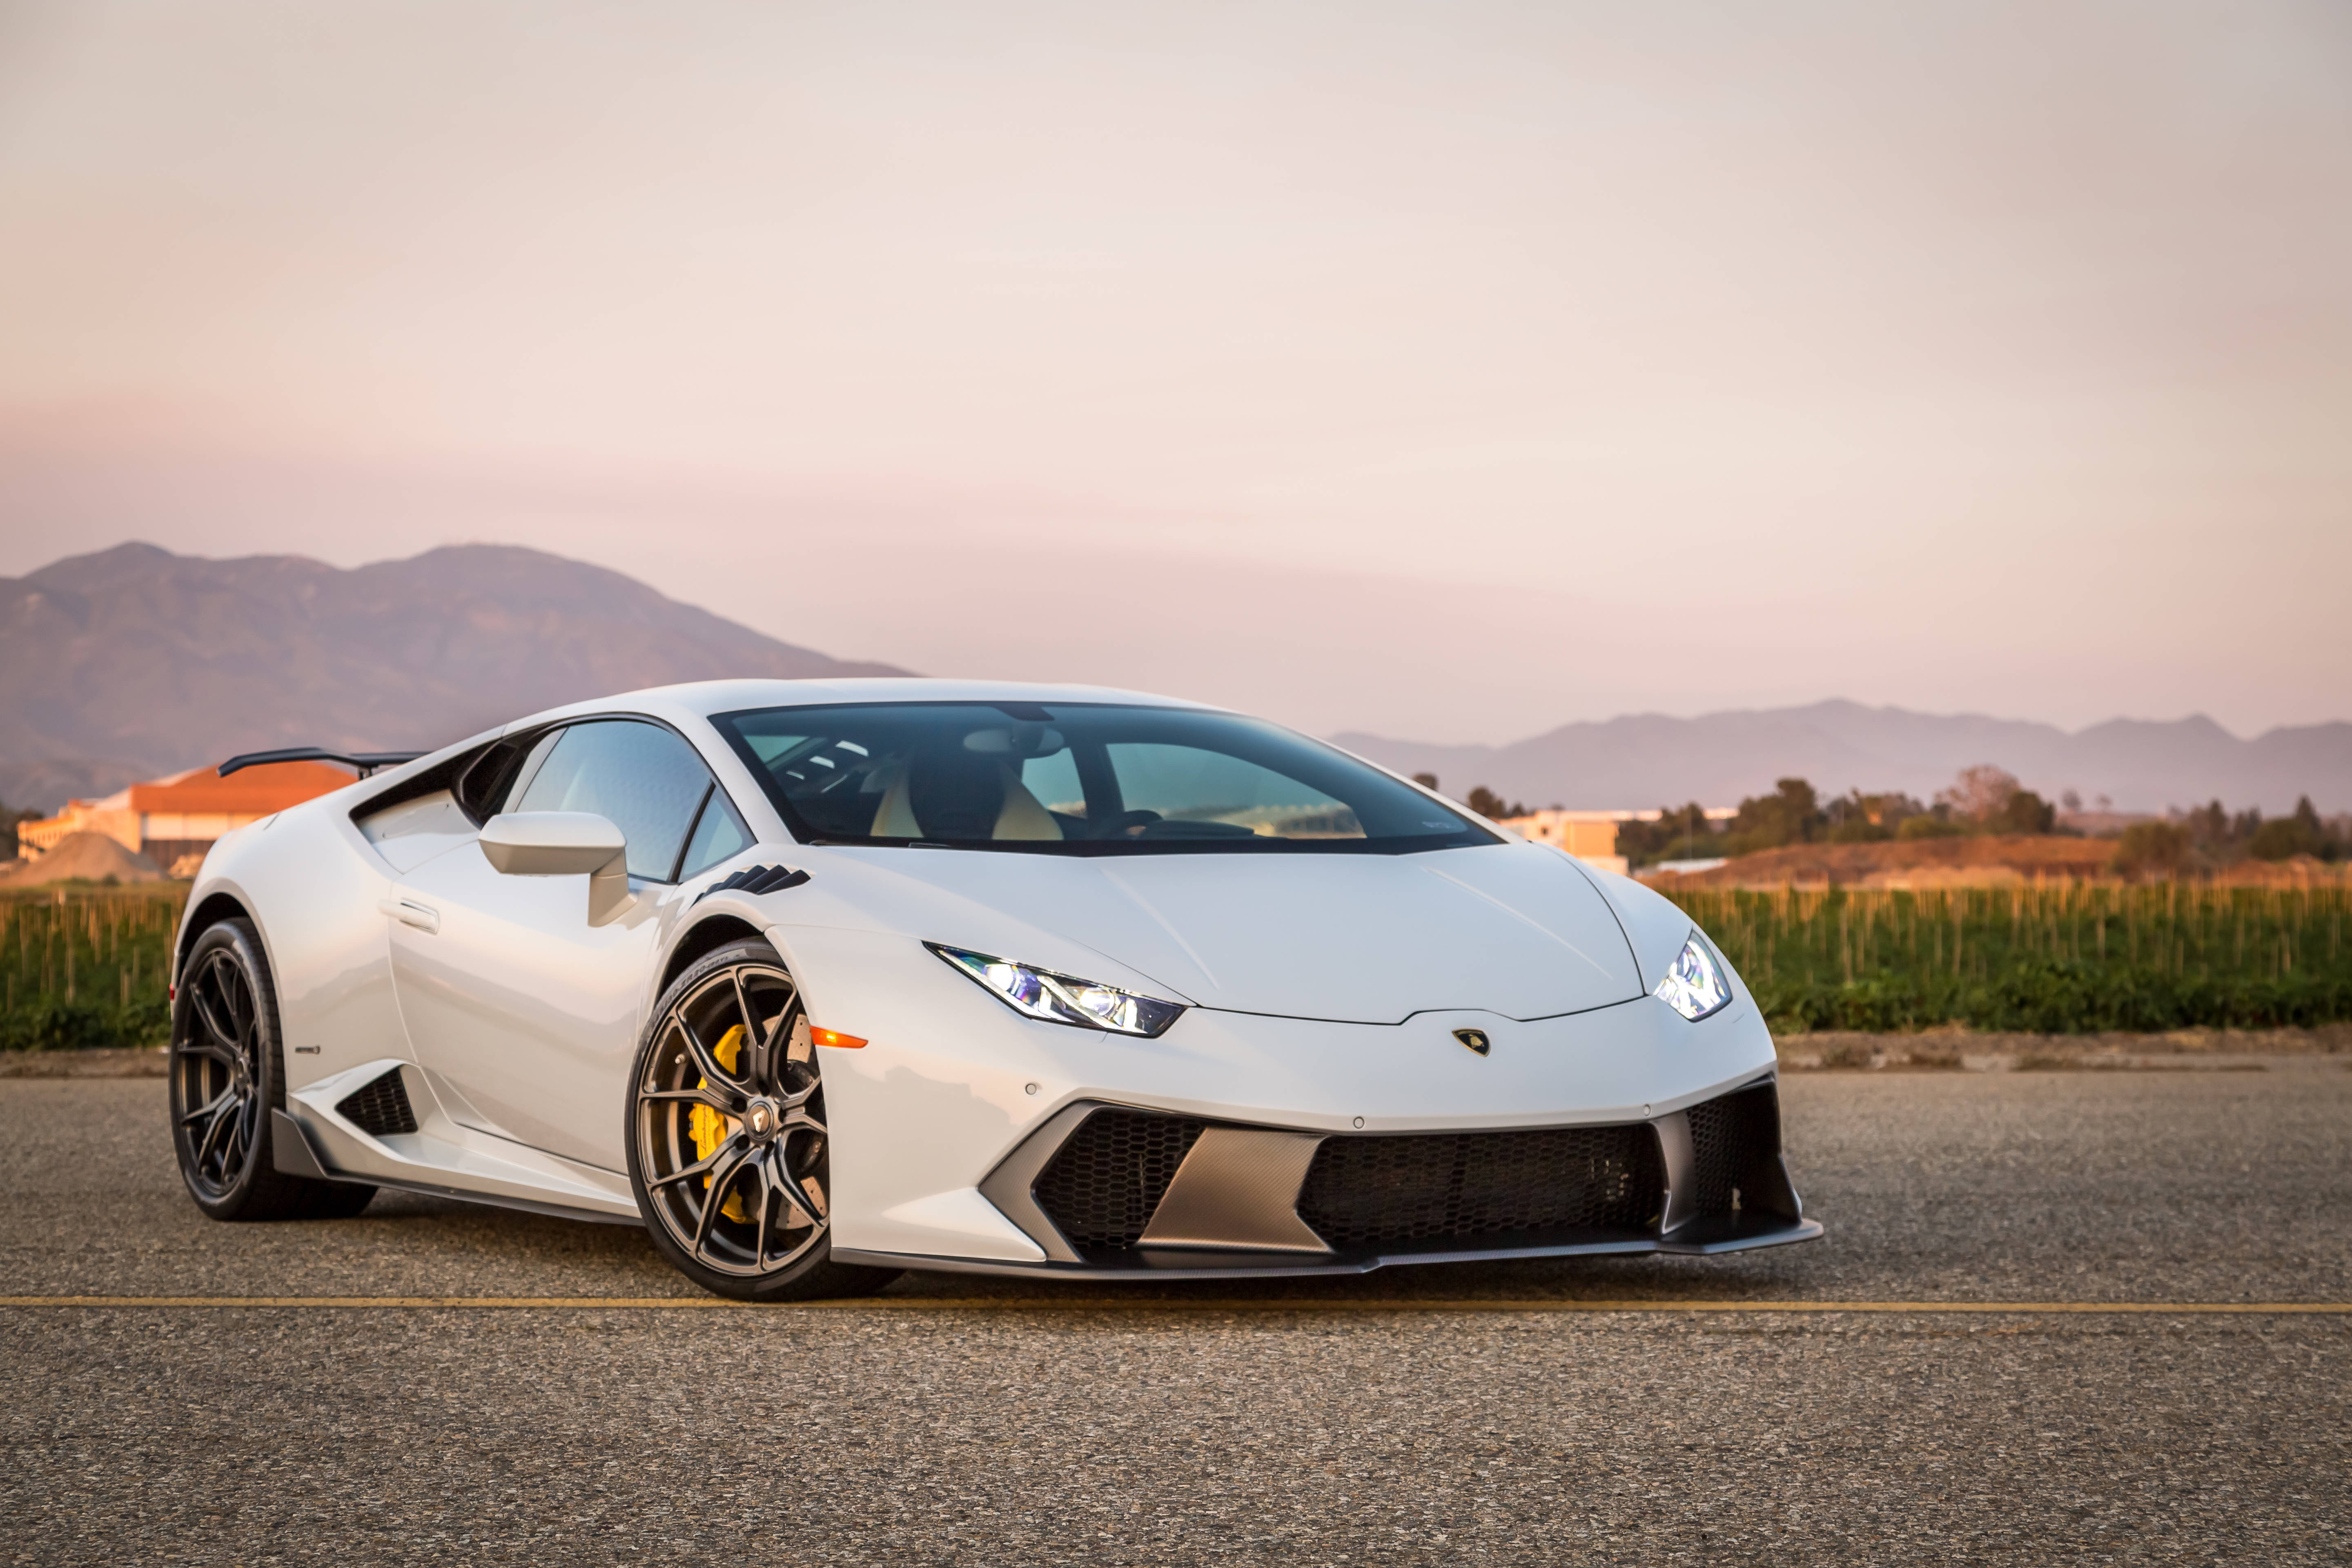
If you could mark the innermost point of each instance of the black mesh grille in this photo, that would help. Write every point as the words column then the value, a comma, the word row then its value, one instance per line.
column 1102, row 1185
column 1433, row 1188
column 379, row 1107
column 1736, row 1148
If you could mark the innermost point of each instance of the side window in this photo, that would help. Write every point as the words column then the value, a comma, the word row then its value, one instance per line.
column 528, row 769
column 719, row 835
column 642, row 777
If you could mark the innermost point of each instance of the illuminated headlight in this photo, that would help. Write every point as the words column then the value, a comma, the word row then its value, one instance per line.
column 1062, row 998
column 1694, row 986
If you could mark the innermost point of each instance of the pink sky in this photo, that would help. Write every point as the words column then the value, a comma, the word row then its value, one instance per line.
column 1446, row 371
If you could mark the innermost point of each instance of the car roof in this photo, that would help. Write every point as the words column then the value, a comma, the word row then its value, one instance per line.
column 700, row 698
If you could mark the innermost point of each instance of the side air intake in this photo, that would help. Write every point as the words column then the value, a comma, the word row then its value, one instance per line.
column 379, row 1107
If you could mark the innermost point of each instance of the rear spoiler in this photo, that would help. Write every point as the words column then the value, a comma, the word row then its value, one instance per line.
column 366, row 761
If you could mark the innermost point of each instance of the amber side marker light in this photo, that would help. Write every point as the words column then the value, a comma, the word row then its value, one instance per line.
column 835, row 1038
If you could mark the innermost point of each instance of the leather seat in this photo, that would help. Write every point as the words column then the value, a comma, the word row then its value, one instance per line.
column 955, row 794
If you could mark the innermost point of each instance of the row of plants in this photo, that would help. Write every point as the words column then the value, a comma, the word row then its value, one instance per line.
column 86, row 967
column 2061, row 958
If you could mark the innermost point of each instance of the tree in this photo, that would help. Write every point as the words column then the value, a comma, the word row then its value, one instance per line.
column 1426, row 781
column 2284, row 837
column 1792, row 814
column 1980, row 793
column 2209, row 826
column 2151, row 848
column 2025, row 812
column 1491, row 806
column 1681, row 833
column 1858, row 818
column 9, row 818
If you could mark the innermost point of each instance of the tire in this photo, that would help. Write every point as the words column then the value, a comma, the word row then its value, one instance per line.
column 227, row 1074
column 725, row 1090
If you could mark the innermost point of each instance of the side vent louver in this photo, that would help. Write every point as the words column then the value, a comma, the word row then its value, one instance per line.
column 756, row 880
column 379, row 1107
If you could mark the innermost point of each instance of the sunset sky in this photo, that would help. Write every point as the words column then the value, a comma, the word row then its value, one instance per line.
column 1448, row 371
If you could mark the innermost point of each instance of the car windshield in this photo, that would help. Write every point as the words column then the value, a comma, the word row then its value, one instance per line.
column 1078, row 779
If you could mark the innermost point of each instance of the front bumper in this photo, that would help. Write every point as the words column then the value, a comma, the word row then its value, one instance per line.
column 1114, row 1192
column 943, row 1124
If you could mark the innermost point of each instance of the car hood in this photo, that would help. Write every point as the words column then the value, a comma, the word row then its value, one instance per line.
column 1511, row 929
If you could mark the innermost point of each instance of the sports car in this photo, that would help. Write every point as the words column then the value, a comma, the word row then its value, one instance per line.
column 822, row 981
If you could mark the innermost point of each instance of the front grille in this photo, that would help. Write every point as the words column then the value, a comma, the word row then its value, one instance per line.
column 1431, row 1188
column 1736, row 1152
column 1100, row 1187
column 380, row 1107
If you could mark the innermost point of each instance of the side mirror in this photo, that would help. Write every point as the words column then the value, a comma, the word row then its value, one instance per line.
column 564, row 844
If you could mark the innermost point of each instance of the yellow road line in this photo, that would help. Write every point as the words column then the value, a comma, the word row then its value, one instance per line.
column 1148, row 1304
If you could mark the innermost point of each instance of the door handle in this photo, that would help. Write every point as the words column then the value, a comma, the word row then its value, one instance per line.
column 409, row 912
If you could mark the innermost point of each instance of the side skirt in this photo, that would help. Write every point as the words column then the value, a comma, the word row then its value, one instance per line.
column 291, row 1151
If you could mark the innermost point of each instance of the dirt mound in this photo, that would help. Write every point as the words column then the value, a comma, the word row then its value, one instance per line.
column 90, row 856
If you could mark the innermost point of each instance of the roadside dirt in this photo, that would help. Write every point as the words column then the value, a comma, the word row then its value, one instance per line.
column 1962, row 1050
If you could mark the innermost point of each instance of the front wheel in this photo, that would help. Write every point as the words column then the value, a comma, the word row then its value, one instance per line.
column 729, row 1152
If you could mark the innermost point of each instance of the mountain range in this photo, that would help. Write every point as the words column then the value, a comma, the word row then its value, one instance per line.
column 1717, row 759
column 134, row 661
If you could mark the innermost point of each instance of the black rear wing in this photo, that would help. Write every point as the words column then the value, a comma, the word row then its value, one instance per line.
column 365, row 762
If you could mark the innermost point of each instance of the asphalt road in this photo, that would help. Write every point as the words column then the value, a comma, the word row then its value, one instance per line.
column 1304, row 1423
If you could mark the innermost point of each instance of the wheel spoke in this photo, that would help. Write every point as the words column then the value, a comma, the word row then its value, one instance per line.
column 697, row 1169
column 217, row 1052
column 707, row 1064
column 767, row 1202
column 209, row 1108
column 792, row 1195
column 221, row 1119
column 758, row 1066
column 716, row 1198
column 798, row 1121
column 689, row 1096
column 238, row 994
column 209, row 1018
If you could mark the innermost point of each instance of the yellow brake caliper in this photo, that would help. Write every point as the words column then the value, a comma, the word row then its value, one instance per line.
column 709, row 1127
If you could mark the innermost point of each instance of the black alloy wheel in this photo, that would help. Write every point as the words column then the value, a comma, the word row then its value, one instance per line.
column 729, row 1152
column 227, row 1074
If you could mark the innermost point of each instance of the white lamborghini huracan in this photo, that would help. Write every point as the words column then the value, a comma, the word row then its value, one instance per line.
column 822, row 981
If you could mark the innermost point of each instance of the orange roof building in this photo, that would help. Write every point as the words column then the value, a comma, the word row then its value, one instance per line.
column 175, row 820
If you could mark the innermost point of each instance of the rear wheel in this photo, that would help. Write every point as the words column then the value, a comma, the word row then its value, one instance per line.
column 729, row 1152
column 227, row 1073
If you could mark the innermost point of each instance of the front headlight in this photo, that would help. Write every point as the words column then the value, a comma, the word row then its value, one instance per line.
column 1694, row 986
column 1062, row 998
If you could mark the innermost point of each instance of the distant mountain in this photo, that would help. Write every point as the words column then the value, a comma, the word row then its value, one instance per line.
column 1649, row 758
column 136, row 661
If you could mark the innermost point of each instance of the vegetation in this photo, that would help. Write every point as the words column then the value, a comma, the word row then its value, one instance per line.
column 9, row 817
column 87, row 966
column 2062, row 959
column 1492, row 806
column 1982, row 800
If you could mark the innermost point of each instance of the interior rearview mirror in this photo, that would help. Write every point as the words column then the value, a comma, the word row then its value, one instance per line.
column 564, row 844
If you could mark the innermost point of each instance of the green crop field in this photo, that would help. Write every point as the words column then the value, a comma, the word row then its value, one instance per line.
column 2060, row 958
column 86, row 966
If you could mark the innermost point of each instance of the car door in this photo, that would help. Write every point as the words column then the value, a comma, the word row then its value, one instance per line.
column 525, row 1014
